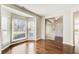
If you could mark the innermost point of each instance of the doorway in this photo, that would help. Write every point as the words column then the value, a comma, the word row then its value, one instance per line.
column 54, row 35
column 54, row 29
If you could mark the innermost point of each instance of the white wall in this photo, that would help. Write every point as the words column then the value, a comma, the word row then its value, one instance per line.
column 67, row 25
column 38, row 18
column 5, row 26
column 38, row 26
column 7, row 14
column 0, row 29
column 42, row 28
column 76, row 33
column 67, row 14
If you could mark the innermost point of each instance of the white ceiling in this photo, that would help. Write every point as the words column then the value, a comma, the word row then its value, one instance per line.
column 47, row 9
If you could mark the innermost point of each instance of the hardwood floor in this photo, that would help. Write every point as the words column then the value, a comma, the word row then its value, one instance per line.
column 49, row 47
column 53, row 47
column 39, row 47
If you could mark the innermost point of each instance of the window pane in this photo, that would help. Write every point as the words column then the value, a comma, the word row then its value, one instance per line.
column 31, row 28
column 19, row 27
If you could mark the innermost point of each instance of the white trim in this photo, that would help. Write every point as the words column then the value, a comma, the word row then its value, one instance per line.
column 6, row 47
column 12, row 44
column 16, row 11
column 35, row 27
column 67, row 43
column 18, row 39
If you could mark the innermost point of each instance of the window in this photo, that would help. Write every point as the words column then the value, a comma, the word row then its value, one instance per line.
column 19, row 27
column 31, row 28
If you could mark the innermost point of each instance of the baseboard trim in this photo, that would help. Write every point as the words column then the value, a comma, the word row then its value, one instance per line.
column 68, row 43
column 5, row 47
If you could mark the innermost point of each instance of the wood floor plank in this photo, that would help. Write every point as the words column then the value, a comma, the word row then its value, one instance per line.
column 40, row 47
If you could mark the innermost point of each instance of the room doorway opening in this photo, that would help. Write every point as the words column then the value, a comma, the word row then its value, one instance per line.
column 54, row 29
column 54, row 33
